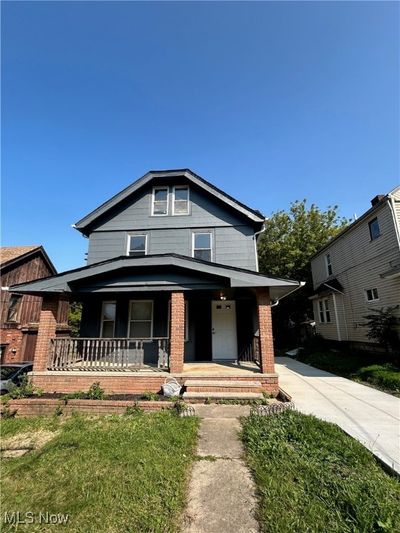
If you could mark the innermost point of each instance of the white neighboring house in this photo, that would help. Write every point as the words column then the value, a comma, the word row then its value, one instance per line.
column 358, row 270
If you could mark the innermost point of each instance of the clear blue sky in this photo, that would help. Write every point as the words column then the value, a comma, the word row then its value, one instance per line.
column 272, row 102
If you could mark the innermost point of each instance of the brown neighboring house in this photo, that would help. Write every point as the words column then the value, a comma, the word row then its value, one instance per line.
column 19, row 317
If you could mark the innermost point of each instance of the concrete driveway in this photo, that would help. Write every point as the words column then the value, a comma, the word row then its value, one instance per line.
column 370, row 416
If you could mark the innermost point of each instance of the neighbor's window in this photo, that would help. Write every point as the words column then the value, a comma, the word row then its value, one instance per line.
column 160, row 201
column 328, row 264
column 374, row 230
column 107, row 328
column 140, row 319
column 14, row 308
column 372, row 295
column 137, row 245
column 181, row 200
column 202, row 246
column 324, row 311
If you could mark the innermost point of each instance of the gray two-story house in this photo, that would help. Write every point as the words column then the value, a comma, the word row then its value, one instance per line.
column 171, row 285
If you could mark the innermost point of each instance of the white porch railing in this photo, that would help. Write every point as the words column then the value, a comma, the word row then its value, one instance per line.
column 77, row 353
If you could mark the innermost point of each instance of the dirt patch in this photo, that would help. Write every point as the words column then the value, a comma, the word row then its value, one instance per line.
column 22, row 443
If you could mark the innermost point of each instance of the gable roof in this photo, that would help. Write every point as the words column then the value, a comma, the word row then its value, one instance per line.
column 252, row 214
column 10, row 255
column 234, row 276
column 382, row 200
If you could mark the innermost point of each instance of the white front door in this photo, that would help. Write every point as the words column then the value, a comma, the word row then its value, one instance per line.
column 224, row 343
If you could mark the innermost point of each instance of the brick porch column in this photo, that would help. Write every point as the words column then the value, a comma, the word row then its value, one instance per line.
column 46, row 331
column 177, row 332
column 265, row 325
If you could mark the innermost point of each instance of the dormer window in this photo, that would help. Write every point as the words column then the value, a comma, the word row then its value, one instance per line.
column 137, row 245
column 180, row 200
column 160, row 201
column 328, row 264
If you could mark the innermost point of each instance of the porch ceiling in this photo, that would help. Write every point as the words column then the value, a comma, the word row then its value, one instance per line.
column 163, row 272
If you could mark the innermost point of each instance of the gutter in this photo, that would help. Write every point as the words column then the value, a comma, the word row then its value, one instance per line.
column 300, row 286
column 396, row 222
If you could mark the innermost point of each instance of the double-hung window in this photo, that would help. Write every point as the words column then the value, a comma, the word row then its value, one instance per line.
column 140, row 319
column 137, row 245
column 372, row 295
column 202, row 246
column 328, row 263
column 324, row 311
column 160, row 201
column 181, row 200
column 107, row 326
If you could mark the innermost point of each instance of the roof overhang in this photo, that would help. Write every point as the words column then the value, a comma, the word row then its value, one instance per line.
column 165, row 272
column 252, row 214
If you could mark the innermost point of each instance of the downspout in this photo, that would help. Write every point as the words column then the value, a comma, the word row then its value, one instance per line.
column 396, row 222
column 299, row 286
column 255, row 243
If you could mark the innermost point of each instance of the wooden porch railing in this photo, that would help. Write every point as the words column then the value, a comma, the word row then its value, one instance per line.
column 251, row 352
column 77, row 353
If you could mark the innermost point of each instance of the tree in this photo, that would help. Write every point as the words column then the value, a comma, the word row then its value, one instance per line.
column 74, row 318
column 285, row 248
column 382, row 327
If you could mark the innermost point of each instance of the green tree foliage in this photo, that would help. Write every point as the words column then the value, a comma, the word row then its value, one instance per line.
column 290, row 239
column 383, row 326
column 74, row 318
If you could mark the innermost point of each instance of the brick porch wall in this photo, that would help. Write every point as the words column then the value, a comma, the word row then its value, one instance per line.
column 177, row 332
column 266, row 335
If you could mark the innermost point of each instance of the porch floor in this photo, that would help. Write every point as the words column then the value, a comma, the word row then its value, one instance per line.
column 221, row 368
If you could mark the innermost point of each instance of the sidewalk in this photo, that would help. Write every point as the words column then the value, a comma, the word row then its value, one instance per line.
column 370, row 416
column 221, row 491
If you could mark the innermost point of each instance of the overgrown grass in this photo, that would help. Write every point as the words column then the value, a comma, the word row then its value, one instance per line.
column 312, row 477
column 358, row 367
column 109, row 474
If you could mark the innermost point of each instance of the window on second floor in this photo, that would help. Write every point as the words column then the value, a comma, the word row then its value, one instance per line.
column 374, row 230
column 372, row 295
column 328, row 264
column 137, row 245
column 107, row 326
column 180, row 200
column 324, row 311
column 160, row 201
column 14, row 308
column 202, row 246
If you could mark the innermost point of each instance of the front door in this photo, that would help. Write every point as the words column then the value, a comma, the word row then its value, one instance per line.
column 224, row 343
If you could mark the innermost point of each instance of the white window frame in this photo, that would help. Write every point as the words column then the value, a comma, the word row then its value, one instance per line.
column 159, row 188
column 186, row 339
column 324, row 311
column 372, row 294
column 103, row 303
column 128, row 244
column 328, row 264
column 130, row 319
column 194, row 233
column 173, row 200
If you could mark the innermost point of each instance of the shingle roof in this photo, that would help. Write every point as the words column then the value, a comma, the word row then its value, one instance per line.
column 9, row 253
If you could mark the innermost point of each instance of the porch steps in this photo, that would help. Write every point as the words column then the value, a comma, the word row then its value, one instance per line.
column 197, row 389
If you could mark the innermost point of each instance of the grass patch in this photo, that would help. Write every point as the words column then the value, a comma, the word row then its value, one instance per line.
column 109, row 474
column 358, row 367
column 311, row 476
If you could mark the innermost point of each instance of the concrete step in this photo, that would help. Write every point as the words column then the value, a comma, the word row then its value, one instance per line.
column 234, row 386
column 223, row 395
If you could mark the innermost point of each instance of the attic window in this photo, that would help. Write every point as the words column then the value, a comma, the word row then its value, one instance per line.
column 181, row 200
column 374, row 229
column 160, row 201
column 137, row 245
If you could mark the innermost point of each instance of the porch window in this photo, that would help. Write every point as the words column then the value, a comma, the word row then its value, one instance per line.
column 160, row 201
column 181, row 200
column 328, row 263
column 202, row 246
column 324, row 311
column 140, row 319
column 372, row 295
column 14, row 308
column 137, row 245
column 107, row 328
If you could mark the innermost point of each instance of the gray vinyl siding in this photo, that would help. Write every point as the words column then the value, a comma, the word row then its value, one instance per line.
column 232, row 237
column 358, row 263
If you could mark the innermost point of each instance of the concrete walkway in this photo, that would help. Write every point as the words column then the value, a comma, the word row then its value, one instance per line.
column 221, row 490
column 370, row 416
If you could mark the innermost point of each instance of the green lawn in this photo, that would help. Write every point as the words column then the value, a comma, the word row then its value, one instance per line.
column 367, row 368
column 109, row 474
column 312, row 477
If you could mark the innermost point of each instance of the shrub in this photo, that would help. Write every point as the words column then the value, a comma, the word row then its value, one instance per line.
column 152, row 396
column 25, row 390
column 95, row 392
column 386, row 376
column 382, row 327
